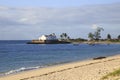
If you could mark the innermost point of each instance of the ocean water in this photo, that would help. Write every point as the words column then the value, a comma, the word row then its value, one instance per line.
column 16, row 55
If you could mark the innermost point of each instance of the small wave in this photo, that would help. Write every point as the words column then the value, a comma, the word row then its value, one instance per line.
column 21, row 69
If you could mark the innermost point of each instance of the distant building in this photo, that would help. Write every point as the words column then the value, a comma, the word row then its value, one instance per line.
column 48, row 37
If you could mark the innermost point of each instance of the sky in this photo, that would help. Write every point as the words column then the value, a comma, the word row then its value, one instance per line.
column 29, row 19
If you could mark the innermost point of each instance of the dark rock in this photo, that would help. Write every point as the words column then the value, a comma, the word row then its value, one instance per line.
column 101, row 57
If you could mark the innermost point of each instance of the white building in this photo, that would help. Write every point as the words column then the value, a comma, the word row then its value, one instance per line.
column 48, row 37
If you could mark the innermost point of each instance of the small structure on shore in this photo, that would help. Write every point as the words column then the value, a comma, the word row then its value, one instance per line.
column 48, row 39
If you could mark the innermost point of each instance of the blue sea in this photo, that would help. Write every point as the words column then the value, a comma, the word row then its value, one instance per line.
column 17, row 56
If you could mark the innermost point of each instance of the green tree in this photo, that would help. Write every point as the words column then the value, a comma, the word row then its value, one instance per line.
column 97, row 34
column 118, row 37
column 109, row 37
column 61, row 36
column 91, row 36
column 64, row 36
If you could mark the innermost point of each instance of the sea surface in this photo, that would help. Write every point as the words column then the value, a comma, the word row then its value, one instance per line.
column 16, row 55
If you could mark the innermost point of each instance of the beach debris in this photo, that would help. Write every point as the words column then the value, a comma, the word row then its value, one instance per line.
column 101, row 57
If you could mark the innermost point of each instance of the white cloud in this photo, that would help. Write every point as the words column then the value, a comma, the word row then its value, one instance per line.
column 2, row 8
column 108, row 14
column 94, row 26
column 61, row 18
column 23, row 19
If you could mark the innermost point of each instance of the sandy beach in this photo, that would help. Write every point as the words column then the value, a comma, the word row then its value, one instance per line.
column 83, row 70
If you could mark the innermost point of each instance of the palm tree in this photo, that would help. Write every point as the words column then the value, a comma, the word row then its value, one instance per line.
column 61, row 36
column 64, row 36
column 109, row 37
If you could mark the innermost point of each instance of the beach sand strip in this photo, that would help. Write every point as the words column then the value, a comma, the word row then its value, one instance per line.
column 82, row 70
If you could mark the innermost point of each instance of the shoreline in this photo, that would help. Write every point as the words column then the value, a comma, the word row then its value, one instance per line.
column 82, row 66
column 26, row 69
column 100, row 42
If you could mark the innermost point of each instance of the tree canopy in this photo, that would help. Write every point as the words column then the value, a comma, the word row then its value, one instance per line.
column 96, row 35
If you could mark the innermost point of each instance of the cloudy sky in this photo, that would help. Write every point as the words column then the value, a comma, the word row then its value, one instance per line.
column 29, row 19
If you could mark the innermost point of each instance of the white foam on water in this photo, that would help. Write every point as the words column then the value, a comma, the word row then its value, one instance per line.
column 21, row 69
